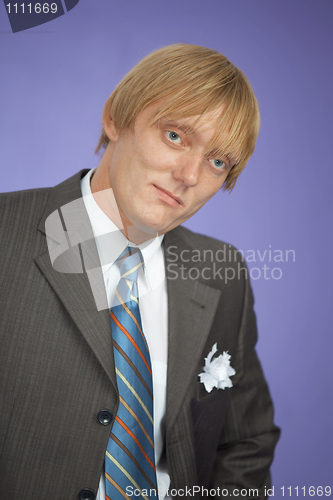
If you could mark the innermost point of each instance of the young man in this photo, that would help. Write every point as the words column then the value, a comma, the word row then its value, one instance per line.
column 80, row 362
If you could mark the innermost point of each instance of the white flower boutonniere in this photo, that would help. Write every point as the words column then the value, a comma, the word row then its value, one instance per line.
column 217, row 371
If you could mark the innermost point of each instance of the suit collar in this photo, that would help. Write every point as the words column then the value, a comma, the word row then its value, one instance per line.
column 62, row 194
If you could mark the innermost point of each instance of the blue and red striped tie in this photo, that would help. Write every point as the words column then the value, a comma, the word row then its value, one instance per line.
column 129, row 460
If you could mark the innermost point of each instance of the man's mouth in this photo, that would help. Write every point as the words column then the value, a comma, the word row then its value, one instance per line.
column 168, row 197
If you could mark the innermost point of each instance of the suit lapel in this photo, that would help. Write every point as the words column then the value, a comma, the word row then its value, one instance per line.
column 75, row 274
column 191, row 310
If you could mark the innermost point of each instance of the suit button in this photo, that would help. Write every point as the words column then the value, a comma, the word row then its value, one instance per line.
column 86, row 494
column 104, row 417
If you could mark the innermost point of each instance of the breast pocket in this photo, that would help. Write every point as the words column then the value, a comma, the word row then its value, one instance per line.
column 209, row 407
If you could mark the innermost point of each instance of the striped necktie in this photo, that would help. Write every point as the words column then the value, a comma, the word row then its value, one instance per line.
column 129, row 460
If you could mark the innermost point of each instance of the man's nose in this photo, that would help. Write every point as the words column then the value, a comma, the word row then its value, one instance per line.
column 188, row 169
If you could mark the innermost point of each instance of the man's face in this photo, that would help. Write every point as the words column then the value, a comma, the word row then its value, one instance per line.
column 160, row 176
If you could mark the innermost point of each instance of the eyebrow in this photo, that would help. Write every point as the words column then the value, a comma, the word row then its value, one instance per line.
column 214, row 151
column 187, row 129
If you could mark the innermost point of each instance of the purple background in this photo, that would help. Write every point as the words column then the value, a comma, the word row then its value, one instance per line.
column 55, row 79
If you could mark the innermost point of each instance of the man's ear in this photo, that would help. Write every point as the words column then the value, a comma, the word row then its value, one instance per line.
column 110, row 128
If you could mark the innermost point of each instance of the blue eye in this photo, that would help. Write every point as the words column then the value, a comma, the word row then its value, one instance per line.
column 173, row 136
column 218, row 163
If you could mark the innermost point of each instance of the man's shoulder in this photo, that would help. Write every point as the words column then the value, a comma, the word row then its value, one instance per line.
column 25, row 194
column 29, row 205
column 18, row 205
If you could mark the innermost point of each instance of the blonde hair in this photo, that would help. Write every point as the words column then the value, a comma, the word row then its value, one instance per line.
column 190, row 80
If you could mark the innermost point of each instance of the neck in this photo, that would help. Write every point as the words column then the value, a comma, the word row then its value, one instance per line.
column 102, row 191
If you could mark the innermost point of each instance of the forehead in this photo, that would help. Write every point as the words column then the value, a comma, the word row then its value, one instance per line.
column 194, row 115
column 197, row 124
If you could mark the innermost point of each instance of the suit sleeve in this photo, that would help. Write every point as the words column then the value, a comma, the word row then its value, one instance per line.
column 246, row 445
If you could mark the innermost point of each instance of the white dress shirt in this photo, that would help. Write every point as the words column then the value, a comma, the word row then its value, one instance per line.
column 152, row 288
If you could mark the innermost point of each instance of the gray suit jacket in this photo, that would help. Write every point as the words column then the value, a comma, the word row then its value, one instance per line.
column 57, row 367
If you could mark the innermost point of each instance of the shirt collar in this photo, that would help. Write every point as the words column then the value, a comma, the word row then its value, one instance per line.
column 111, row 241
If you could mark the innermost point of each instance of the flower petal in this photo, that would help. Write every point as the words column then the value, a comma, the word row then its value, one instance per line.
column 211, row 354
column 208, row 381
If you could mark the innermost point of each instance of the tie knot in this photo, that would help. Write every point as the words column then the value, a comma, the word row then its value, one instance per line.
column 129, row 263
